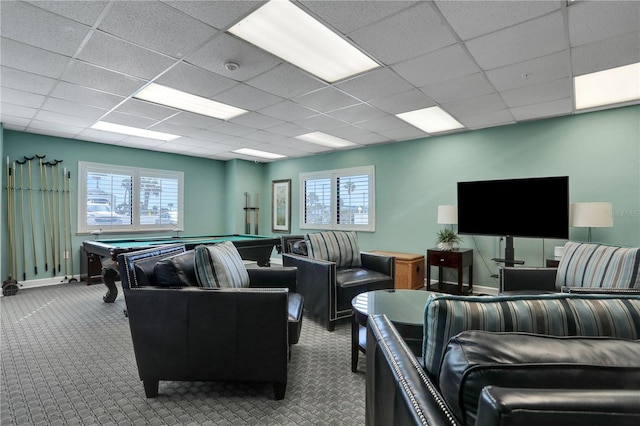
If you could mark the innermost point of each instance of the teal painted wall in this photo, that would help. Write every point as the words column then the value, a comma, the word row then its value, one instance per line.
column 599, row 151
column 204, row 182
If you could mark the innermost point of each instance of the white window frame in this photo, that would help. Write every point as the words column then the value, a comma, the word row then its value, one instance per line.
column 84, row 168
column 334, row 175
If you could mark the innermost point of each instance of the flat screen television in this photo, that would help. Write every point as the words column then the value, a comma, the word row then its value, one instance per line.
column 531, row 207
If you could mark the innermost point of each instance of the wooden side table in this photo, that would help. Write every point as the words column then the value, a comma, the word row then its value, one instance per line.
column 552, row 263
column 409, row 269
column 456, row 259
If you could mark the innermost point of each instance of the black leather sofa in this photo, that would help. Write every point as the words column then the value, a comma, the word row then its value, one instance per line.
column 510, row 377
column 329, row 289
column 181, row 332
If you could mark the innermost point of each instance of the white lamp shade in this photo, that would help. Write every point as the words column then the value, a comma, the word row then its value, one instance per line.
column 591, row 215
column 448, row 214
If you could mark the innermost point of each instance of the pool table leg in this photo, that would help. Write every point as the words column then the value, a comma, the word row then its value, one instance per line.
column 109, row 277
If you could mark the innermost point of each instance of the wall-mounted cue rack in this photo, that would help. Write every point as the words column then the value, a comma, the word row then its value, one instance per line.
column 36, row 185
column 247, row 213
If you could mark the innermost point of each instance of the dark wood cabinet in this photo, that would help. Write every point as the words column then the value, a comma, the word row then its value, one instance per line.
column 455, row 259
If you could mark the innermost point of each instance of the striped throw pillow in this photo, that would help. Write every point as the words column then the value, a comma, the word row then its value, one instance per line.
column 559, row 314
column 220, row 265
column 340, row 247
column 598, row 265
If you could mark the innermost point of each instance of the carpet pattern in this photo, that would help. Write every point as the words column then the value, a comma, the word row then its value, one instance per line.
column 67, row 359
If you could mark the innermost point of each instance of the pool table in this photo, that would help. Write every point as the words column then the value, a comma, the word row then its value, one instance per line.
column 102, row 254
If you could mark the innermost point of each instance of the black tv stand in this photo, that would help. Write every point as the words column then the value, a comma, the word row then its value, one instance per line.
column 509, row 259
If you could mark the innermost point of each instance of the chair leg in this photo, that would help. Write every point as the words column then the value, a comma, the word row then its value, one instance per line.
column 151, row 388
column 331, row 325
column 279, row 389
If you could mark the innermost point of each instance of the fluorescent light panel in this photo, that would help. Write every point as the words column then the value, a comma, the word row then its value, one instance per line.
column 174, row 98
column 257, row 153
column 431, row 120
column 285, row 30
column 133, row 131
column 612, row 86
column 320, row 138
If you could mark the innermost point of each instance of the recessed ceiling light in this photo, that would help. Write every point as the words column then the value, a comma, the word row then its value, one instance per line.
column 257, row 153
column 285, row 30
column 431, row 120
column 133, row 131
column 325, row 139
column 174, row 98
column 608, row 87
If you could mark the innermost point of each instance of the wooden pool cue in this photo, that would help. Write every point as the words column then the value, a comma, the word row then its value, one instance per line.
column 257, row 209
column 33, row 229
column 44, row 215
column 24, row 256
column 9, row 221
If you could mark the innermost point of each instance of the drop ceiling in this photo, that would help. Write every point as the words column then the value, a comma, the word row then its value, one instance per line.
column 67, row 64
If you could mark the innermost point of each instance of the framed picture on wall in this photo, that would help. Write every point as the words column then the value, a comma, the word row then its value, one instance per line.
column 281, row 205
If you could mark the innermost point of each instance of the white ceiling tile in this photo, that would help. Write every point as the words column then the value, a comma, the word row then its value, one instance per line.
column 539, row 93
column 442, row 65
column 535, row 71
column 326, row 99
column 21, row 80
column 289, row 130
column 86, row 96
column 591, row 21
column 146, row 109
column 196, row 81
column 468, row 86
column 229, row 128
column 17, row 110
column 115, row 54
column 545, row 109
column 387, row 39
column 85, row 12
column 610, row 53
column 99, row 135
column 255, row 120
column 62, row 130
column 31, row 59
column 474, row 18
column 34, row 26
column 402, row 102
column 128, row 120
column 226, row 48
column 218, row 14
column 19, row 97
column 56, row 117
column 262, row 136
column 134, row 141
column 286, row 81
column 347, row 16
column 12, row 122
column 532, row 39
column 288, row 111
column 357, row 113
column 247, row 97
column 192, row 120
column 320, row 122
column 487, row 119
column 104, row 80
column 386, row 123
column 469, row 106
column 404, row 133
column 156, row 26
column 375, row 84
column 370, row 139
column 72, row 108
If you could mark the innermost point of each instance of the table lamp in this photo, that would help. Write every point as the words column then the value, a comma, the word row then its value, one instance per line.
column 591, row 215
column 448, row 215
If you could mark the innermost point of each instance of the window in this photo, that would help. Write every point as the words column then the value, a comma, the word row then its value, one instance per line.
column 338, row 199
column 119, row 198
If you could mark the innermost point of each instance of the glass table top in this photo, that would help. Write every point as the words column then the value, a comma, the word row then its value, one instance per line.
column 400, row 306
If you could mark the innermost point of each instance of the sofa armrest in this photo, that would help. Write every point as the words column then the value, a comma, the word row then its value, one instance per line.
column 532, row 407
column 285, row 277
column 398, row 390
column 528, row 280
column 379, row 263
column 315, row 278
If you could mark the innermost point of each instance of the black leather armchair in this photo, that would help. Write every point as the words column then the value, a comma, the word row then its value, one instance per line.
column 327, row 289
column 186, row 333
